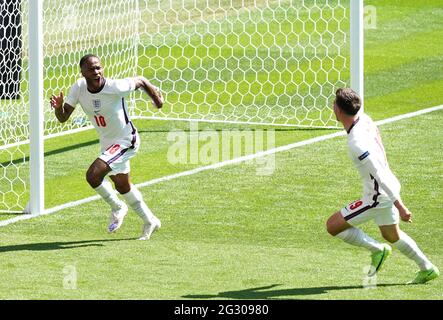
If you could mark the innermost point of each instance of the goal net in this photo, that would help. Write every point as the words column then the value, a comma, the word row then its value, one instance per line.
column 71, row 29
column 248, row 61
column 267, row 62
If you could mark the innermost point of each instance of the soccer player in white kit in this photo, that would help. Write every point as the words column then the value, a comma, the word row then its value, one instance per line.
column 103, row 101
column 381, row 200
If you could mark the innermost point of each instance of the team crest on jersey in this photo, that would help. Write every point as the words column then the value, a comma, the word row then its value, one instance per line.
column 96, row 104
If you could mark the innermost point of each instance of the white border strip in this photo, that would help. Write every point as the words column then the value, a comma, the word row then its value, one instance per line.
column 222, row 164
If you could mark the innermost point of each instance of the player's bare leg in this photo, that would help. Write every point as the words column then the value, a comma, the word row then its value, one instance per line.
column 336, row 224
column 97, row 172
column 409, row 248
column 122, row 182
column 95, row 177
column 390, row 233
column 338, row 227
column 135, row 200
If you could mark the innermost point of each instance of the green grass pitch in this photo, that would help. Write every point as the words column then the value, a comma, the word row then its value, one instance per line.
column 232, row 234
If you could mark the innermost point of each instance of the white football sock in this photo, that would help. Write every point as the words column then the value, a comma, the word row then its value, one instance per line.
column 409, row 248
column 108, row 194
column 135, row 200
column 358, row 238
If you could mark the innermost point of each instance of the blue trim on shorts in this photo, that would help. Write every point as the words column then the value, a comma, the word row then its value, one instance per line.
column 117, row 156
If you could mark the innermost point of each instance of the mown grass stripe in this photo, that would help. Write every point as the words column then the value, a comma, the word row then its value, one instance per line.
column 221, row 164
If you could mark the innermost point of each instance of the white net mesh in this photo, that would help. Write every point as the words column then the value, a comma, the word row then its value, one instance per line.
column 13, row 106
column 252, row 61
column 272, row 62
column 107, row 28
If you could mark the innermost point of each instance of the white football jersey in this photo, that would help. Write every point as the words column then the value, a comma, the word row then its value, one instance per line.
column 106, row 109
column 368, row 154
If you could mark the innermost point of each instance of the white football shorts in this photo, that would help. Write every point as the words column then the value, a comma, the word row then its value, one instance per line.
column 361, row 211
column 117, row 155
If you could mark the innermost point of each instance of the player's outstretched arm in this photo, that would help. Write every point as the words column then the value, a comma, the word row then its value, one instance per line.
column 153, row 92
column 62, row 110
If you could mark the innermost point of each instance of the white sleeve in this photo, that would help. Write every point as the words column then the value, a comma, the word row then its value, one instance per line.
column 123, row 86
column 74, row 93
column 381, row 173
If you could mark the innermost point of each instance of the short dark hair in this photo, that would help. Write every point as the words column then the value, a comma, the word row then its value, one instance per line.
column 348, row 101
column 86, row 57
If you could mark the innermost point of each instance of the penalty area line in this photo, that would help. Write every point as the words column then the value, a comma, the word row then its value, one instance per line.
column 221, row 164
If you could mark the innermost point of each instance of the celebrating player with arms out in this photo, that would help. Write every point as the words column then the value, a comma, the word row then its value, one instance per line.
column 381, row 193
column 103, row 101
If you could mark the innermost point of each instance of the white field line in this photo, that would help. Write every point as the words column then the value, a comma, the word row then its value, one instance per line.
column 221, row 164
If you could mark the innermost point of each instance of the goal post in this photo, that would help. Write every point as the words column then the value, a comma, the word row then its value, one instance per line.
column 36, row 105
column 357, row 47
column 256, row 62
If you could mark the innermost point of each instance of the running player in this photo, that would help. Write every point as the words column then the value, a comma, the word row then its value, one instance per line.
column 381, row 200
column 103, row 101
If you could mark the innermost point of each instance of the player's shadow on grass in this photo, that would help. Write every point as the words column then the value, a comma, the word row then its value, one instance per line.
column 52, row 152
column 47, row 246
column 265, row 293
